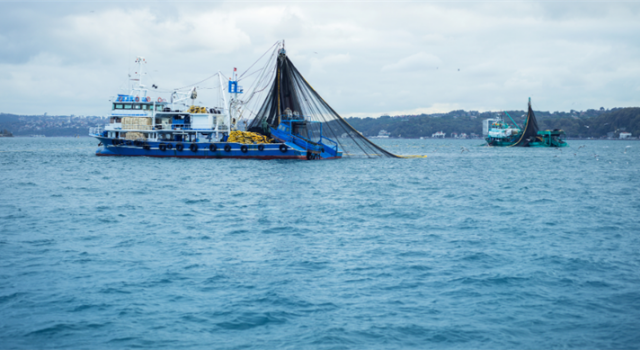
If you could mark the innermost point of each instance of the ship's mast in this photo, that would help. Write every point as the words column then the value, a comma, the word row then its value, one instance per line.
column 282, row 54
column 140, row 88
column 235, row 103
column 140, row 60
column 235, row 94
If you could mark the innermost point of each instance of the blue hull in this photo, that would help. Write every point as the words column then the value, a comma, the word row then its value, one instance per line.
column 234, row 150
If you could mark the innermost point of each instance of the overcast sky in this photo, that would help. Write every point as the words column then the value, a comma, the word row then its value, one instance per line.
column 364, row 58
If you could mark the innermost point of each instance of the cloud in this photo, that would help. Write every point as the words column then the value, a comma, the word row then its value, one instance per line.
column 319, row 65
column 363, row 58
column 416, row 62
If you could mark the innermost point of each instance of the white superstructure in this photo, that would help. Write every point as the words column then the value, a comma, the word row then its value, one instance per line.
column 137, row 116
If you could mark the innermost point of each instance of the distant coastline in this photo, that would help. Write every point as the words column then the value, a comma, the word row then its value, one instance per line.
column 49, row 126
column 579, row 125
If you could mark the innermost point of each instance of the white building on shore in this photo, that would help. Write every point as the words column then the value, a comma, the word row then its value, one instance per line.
column 625, row 135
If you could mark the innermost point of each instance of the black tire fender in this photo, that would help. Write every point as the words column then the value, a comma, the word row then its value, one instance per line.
column 194, row 147
column 244, row 149
column 213, row 147
column 260, row 148
column 284, row 148
column 162, row 147
column 179, row 147
column 227, row 148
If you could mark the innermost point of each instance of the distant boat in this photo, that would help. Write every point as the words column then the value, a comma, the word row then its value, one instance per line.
column 383, row 134
column 439, row 135
column 500, row 134
column 6, row 133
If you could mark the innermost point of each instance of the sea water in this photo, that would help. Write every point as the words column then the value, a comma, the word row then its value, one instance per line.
column 472, row 247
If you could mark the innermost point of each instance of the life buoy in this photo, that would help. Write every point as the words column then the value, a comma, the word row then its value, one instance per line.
column 227, row 148
column 148, row 99
column 260, row 148
column 179, row 147
column 244, row 149
column 284, row 148
column 213, row 147
column 137, row 99
column 194, row 147
column 120, row 99
column 162, row 147
column 159, row 99
column 169, row 146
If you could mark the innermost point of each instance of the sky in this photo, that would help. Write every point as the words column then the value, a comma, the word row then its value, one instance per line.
column 365, row 58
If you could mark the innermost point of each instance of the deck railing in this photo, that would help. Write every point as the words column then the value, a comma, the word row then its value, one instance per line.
column 157, row 127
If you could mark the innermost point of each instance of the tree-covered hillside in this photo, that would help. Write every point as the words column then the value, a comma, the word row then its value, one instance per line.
column 592, row 123
column 21, row 125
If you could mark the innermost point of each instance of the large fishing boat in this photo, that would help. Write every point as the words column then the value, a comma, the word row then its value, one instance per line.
column 501, row 134
column 293, row 122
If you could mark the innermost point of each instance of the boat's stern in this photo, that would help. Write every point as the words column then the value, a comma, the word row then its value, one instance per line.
column 550, row 138
column 324, row 148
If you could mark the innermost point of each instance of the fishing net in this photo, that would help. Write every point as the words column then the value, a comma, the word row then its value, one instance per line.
column 530, row 132
column 291, row 98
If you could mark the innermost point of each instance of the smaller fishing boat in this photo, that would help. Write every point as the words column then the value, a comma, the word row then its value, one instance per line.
column 501, row 134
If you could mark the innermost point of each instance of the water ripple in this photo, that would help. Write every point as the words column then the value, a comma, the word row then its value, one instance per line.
column 491, row 248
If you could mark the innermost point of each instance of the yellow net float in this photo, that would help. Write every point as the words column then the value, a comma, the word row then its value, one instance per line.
column 247, row 137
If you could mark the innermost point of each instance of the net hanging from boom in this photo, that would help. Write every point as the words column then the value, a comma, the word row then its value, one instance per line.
column 530, row 131
column 292, row 98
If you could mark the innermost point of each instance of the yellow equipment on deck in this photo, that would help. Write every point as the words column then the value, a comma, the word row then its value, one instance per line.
column 247, row 137
column 197, row 109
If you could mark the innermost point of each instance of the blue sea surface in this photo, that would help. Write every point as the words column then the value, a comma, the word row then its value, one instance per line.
column 473, row 247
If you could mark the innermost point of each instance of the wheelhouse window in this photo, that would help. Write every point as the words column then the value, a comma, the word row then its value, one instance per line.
column 159, row 108
column 136, row 106
column 127, row 106
column 118, row 106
